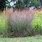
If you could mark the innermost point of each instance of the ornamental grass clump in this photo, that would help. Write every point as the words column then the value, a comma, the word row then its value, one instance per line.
column 20, row 28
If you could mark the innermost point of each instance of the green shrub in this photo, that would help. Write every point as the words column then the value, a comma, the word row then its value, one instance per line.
column 37, row 22
column 3, row 24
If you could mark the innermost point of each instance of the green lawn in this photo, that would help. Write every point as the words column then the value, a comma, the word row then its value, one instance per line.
column 22, row 39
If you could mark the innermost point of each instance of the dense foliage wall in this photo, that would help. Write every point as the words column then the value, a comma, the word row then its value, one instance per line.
column 24, row 3
column 19, row 3
column 2, row 4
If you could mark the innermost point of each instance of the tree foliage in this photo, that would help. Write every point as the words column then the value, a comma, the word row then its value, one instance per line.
column 41, row 2
column 2, row 4
column 20, row 3
column 35, row 3
column 26, row 2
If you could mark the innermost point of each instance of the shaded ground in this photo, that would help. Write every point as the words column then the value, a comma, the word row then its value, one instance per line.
column 22, row 39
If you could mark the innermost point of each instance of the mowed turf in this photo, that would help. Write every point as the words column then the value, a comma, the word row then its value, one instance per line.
column 22, row 39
